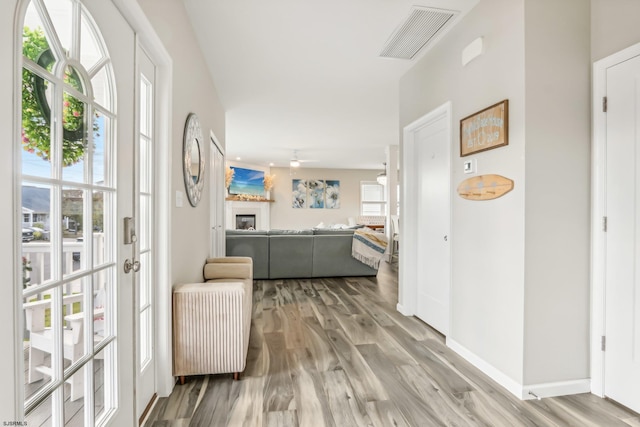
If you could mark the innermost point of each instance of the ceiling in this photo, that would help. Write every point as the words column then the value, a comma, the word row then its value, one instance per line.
column 306, row 75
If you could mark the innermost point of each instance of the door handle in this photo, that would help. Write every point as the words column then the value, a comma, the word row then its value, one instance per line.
column 131, row 265
column 445, row 238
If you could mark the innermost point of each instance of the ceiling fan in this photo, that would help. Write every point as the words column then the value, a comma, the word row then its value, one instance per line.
column 295, row 162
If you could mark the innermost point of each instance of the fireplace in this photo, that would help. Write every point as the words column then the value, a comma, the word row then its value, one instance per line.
column 235, row 210
column 245, row 222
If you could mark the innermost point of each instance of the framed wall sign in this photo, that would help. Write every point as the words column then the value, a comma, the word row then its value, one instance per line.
column 485, row 129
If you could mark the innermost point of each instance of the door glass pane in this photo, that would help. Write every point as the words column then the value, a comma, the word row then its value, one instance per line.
column 101, row 84
column 90, row 52
column 74, row 323
column 74, row 398
column 102, row 306
column 36, row 234
column 60, row 12
column 37, row 321
column 99, row 128
column 145, row 337
column 35, row 41
column 145, row 270
column 41, row 415
column 74, row 142
column 144, row 223
column 74, row 245
column 98, row 385
column 36, row 132
column 97, row 228
column 146, row 162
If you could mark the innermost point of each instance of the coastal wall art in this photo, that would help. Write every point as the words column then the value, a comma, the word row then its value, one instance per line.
column 315, row 193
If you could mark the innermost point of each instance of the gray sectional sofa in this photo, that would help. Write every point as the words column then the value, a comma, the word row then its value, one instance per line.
column 286, row 254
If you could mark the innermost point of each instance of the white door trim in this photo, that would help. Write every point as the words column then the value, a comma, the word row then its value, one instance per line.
column 598, row 198
column 407, row 288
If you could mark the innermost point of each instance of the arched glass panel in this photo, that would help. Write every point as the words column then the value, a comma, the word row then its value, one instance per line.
column 68, row 214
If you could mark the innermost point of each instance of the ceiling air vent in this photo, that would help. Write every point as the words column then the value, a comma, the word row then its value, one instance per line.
column 418, row 29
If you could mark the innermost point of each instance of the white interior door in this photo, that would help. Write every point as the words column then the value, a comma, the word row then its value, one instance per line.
column 622, row 282
column 145, row 244
column 431, row 143
column 217, row 202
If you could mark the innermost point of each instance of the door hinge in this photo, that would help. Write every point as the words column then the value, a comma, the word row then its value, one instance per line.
column 604, row 104
column 604, row 224
column 603, row 343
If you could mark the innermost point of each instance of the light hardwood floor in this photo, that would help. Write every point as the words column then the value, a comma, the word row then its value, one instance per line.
column 335, row 352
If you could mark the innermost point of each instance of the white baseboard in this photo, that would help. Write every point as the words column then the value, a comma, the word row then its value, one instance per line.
column 402, row 310
column 560, row 388
column 498, row 376
column 533, row 391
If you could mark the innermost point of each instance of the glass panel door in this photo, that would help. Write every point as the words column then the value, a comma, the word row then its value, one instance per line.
column 72, row 196
column 145, row 202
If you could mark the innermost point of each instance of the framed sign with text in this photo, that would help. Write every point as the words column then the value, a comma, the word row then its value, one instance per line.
column 485, row 129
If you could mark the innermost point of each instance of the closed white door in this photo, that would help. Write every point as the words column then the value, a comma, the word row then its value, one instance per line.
column 216, row 187
column 432, row 156
column 622, row 280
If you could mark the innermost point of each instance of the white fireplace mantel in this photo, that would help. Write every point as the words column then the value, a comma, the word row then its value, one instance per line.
column 260, row 209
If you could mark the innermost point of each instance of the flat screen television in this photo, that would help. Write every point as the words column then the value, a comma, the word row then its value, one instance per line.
column 247, row 181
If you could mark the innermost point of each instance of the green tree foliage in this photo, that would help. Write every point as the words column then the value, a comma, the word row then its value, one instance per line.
column 36, row 129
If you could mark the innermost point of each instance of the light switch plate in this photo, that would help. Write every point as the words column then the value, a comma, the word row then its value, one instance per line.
column 178, row 199
column 469, row 166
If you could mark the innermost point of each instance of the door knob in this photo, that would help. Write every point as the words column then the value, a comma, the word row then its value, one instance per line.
column 131, row 265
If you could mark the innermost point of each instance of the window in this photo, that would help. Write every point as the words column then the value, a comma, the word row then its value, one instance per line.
column 372, row 198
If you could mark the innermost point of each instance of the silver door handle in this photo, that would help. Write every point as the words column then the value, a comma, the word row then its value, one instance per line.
column 131, row 265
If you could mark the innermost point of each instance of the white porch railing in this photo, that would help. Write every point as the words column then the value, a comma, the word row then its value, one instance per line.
column 38, row 256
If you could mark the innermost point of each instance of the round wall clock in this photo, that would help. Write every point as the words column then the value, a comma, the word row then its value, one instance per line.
column 193, row 159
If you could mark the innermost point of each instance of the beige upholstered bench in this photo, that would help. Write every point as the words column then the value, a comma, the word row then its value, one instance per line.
column 212, row 320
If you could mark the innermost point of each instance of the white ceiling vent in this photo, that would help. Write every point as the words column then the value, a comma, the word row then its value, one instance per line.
column 420, row 27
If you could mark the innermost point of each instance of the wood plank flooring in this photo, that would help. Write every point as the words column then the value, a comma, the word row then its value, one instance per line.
column 335, row 352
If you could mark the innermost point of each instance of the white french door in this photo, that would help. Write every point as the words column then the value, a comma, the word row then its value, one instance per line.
column 622, row 237
column 76, row 188
column 145, row 202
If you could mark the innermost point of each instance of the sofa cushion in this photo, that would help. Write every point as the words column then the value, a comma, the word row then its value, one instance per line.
column 332, row 257
column 290, row 232
column 253, row 245
column 332, row 231
column 246, row 232
column 290, row 256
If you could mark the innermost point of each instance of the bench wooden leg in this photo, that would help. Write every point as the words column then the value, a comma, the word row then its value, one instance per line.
column 181, row 379
column 236, row 376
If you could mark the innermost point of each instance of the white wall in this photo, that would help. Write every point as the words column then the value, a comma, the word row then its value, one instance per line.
column 487, row 237
column 520, row 285
column 283, row 216
column 557, row 164
column 193, row 91
column 614, row 26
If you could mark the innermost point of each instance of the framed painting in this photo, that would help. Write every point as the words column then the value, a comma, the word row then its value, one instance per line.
column 332, row 194
column 485, row 130
column 298, row 193
column 315, row 193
